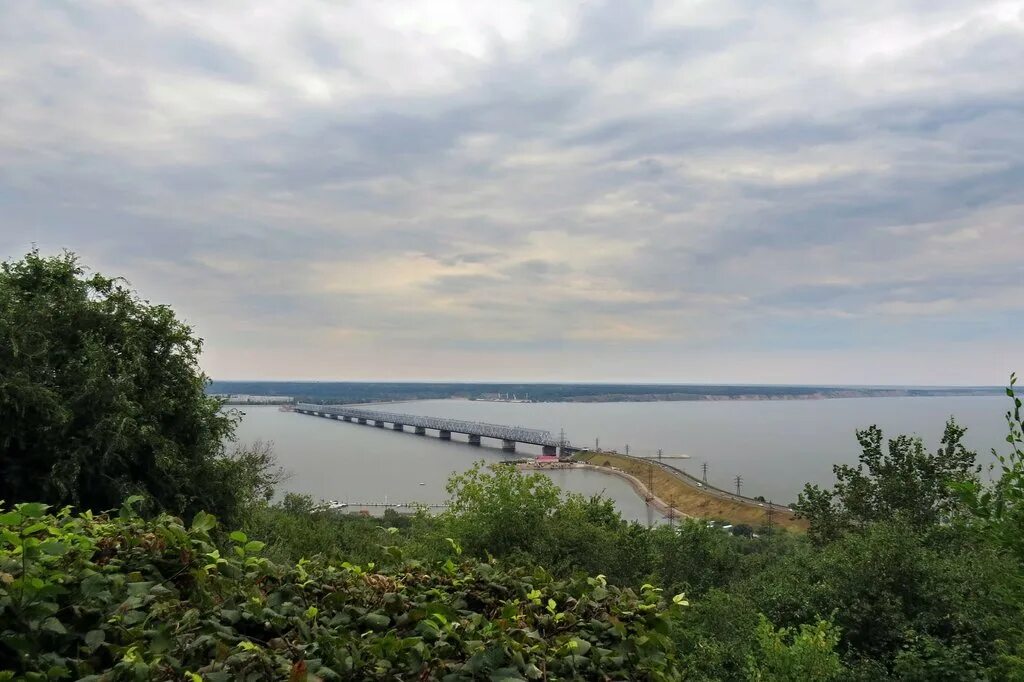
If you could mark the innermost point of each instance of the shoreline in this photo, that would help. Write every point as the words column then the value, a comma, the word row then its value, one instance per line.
column 652, row 501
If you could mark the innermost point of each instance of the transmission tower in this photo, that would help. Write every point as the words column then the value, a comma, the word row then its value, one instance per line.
column 704, row 467
column 739, row 484
column 627, row 449
column 771, row 516
column 659, row 455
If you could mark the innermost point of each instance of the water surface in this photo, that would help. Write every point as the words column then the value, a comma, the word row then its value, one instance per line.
column 775, row 446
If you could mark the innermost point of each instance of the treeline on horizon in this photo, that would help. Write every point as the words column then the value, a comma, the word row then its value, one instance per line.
column 354, row 391
column 138, row 541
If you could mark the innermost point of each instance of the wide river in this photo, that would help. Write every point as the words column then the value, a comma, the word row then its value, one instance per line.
column 776, row 446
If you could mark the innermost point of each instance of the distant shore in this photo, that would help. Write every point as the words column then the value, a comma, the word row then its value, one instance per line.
column 389, row 392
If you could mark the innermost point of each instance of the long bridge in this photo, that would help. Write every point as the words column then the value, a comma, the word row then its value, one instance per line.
column 508, row 435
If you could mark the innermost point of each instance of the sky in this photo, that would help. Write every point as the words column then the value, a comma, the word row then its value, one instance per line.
column 690, row 191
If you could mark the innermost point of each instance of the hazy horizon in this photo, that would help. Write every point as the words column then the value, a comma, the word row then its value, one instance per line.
column 513, row 382
column 659, row 192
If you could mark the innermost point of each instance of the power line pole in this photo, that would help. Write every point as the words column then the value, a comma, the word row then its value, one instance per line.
column 739, row 484
column 659, row 455
column 704, row 466
column 627, row 449
column 771, row 516
column 597, row 445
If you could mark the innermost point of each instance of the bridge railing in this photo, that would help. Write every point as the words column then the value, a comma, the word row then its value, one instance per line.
column 518, row 434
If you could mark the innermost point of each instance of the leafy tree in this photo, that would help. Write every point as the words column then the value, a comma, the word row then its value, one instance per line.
column 794, row 655
column 902, row 481
column 999, row 507
column 499, row 510
column 101, row 397
column 588, row 534
column 694, row 558
column 899, row 596
column 718, row 635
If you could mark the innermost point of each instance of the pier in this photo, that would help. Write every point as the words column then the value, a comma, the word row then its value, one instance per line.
column 508, row 436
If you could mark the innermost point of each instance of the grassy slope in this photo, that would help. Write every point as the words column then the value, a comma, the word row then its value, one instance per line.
column 689, row 499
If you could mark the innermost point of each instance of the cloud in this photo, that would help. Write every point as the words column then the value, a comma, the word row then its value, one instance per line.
column 662, row 190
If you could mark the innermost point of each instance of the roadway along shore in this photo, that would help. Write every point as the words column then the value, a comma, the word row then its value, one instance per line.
column 658, row 504
column 691, row 497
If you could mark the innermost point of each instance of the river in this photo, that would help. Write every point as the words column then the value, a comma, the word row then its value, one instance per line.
column 775, row 446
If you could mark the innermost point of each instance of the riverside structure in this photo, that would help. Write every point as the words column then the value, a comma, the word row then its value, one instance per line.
column 475, row 431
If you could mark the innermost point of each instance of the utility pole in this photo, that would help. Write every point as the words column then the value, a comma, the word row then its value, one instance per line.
column 739, row 484
column 704, row 466
column 627, row 449
column 597, row 445
column 659, row 455
column 771, row 516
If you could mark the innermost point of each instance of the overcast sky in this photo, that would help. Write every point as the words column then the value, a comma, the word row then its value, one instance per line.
column 719, row 191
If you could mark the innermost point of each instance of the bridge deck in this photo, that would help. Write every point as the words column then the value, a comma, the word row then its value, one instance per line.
column 518, row 434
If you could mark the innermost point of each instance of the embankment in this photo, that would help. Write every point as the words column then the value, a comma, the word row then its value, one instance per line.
column 689, row 497
column 635, row 483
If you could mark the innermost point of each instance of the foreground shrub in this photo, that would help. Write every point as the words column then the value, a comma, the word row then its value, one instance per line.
column 84, row 596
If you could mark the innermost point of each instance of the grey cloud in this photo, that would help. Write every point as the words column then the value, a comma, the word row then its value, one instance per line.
column 781, row 183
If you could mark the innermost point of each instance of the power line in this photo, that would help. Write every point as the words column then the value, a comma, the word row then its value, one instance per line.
column 739, row 484
column 704, row 466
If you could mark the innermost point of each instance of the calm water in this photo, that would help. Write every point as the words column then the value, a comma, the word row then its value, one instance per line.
column 775, row 445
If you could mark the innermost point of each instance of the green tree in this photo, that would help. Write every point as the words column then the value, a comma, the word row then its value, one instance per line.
column 999, row 507
column 498, row 510
column 101, row 397
column 901, row 597
column 788, row 655
column 901, row 481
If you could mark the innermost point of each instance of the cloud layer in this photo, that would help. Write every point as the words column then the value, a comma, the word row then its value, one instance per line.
column 661, row 191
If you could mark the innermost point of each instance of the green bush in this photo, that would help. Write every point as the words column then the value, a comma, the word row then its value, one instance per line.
column 88, row 595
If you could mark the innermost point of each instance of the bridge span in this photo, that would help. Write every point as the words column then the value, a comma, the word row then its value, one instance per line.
column 508, row 435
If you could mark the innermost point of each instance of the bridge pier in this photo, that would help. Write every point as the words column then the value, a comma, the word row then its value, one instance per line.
column 508, row 436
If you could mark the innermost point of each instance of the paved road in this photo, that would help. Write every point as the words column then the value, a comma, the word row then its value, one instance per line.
column 704, row 487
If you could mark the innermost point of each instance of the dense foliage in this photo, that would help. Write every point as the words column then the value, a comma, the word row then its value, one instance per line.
column 999, row 507
column 101, row 397
column 82, row 595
